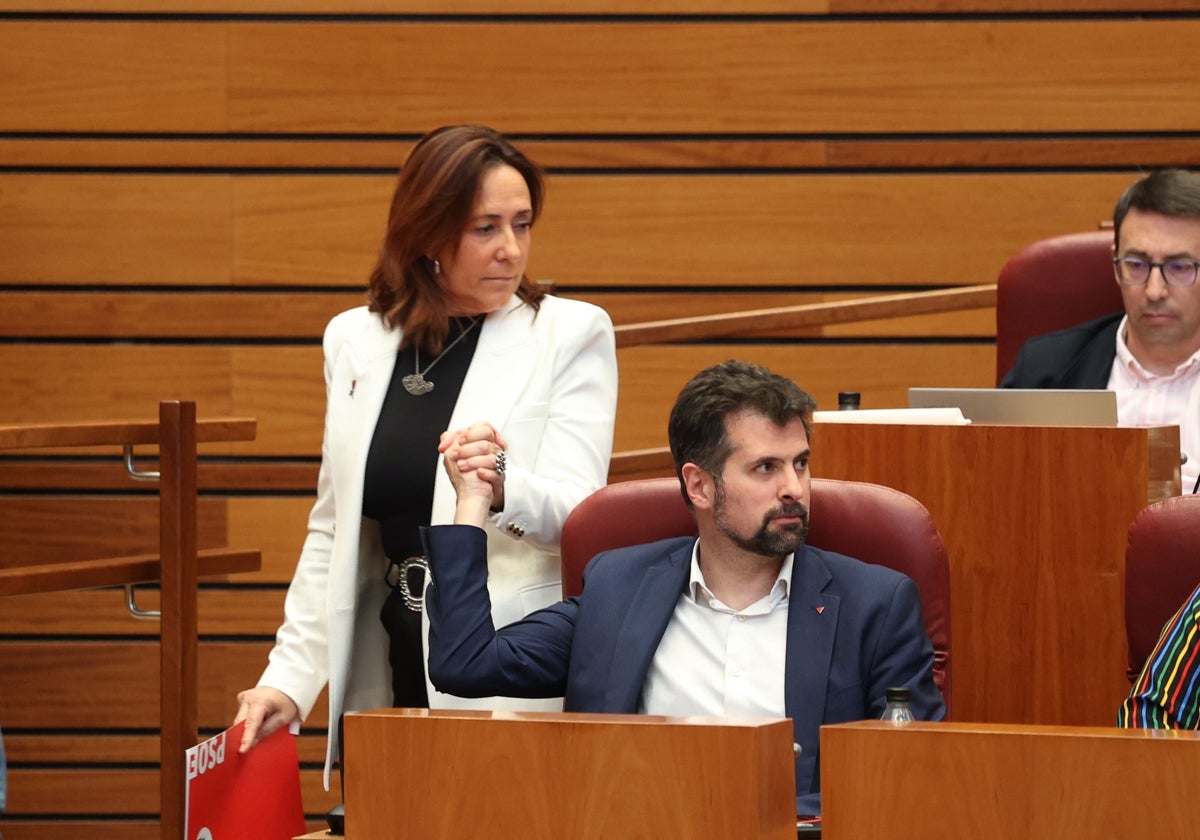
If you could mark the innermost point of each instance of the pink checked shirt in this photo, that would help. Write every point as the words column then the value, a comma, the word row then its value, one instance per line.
column 1146, row 399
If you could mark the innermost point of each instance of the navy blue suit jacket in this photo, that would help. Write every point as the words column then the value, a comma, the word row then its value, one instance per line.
column 595, row 649
column 1079, row 357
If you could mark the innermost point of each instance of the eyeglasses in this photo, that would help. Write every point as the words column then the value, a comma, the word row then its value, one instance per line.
column 1135, row 271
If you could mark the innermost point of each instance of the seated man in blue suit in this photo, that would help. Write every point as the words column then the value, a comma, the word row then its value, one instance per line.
column 744, row 620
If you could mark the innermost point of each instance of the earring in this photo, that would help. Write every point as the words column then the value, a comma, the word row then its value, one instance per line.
column 437, row 267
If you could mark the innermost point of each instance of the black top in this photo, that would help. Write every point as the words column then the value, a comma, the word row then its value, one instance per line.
column 403, row 459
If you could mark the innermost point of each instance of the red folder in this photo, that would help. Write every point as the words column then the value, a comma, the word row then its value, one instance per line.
column 255, row 796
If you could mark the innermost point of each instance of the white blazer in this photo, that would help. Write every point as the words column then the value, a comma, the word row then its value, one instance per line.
column 549, row 384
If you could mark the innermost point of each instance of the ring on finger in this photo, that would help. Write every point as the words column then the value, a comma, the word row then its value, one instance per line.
column 501, row 462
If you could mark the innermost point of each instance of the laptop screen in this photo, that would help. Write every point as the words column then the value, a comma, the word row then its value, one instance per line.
column 1022, row 406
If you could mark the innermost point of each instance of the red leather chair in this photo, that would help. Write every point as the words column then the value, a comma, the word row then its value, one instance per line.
column 873, row 523
column 1162, row 567
column 1051, row 285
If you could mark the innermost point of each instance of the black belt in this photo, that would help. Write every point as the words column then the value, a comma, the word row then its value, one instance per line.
column 398, row 577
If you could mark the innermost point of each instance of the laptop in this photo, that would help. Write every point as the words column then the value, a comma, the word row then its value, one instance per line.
column 1022, row 406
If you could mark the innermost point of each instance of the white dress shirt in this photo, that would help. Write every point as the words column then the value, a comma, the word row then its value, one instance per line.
column 1147, row 399
column 714, row 660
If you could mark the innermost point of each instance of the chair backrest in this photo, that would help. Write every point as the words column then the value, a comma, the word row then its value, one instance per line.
column 1051, row 285
column 870, row 522
column 1162, row 567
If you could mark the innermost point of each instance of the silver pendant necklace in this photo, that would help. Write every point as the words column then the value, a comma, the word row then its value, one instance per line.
column 416, row 383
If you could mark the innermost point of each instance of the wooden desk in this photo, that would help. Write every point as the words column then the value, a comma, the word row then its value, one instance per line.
column 994, row 781
column 1035, row 522
column 545, row 776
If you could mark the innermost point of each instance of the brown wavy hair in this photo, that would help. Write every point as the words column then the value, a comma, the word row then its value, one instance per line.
column 431, row 207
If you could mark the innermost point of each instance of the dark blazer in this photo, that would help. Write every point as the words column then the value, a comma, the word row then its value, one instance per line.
column 596, row 648
column 1079, row 357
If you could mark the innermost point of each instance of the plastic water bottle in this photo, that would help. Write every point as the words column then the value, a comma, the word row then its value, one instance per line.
column 897, row 709
column 849, row 400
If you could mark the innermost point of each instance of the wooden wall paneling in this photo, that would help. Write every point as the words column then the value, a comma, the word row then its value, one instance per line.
column 122, row 314
column 107, row 229
column 278, row 525
column 570, row 7
column 118, row 526
column 98, row 382
column 601, row 153
column 340, row 77
column 684, row 231
column 304, row 314
column 71, row 75
column 433, row 7
column 651, row 377
column 807, row 230
column 109, row 526
column 83, row 791
column 129, row 669
column 53, row 828
column 230, row 608
column 139, row 748
column 115, row 791
column 57, row 828
column 296, row 230
column 217, row 474
column 976, row 75
column 283, row 388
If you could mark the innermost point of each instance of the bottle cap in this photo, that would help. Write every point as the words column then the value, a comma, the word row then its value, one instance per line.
column 898, row 695
column 849, row 400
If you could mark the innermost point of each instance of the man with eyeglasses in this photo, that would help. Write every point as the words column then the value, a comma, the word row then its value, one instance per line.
column 1150, row 354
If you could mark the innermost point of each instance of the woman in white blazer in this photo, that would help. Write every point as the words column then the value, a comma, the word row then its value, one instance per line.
column 457, row 348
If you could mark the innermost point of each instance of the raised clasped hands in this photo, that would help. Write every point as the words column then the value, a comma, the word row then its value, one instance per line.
column 475, row 461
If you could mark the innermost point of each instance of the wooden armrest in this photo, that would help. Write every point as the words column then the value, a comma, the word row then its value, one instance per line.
column 117, row 571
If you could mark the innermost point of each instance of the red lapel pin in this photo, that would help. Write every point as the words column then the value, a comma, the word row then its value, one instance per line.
column 820, row 610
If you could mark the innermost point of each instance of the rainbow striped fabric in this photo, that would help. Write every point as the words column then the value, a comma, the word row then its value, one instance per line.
column 1166, row 695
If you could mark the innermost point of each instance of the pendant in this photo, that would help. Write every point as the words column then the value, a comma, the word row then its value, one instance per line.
column 416, row 384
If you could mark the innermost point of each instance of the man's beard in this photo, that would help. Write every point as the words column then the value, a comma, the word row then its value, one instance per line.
column 767, row 542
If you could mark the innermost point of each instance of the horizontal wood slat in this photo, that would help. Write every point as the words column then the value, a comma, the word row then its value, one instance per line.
column 340, row 77
column 112, row 791
column 282, row 386
column 72, row 748
column 120, row 314
column 603, row 153
column 108, row 526
column 173, row 314
column 130, row 670
column 58, row 474
column 52, row 577
column 299, row 477
column 233, row 609
column 616, row 231
column 111, row 526
column 573, row 7
column 118, row 433
column 94, row 76
column 651, row 377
